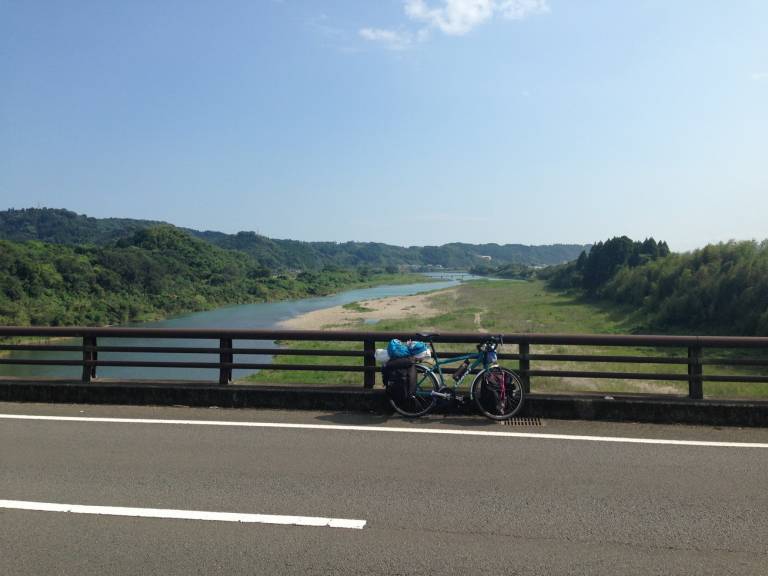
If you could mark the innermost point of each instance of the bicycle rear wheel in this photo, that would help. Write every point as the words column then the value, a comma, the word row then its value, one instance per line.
column 422, row 402
column 498, row 393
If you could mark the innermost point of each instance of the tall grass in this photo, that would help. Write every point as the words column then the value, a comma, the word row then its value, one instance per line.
column 528, row 307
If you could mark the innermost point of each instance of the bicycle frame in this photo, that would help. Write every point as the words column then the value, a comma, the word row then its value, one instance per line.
column 479, row 359
column 497, row 391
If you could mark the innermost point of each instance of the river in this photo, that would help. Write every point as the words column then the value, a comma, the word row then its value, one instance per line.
column 264, row 315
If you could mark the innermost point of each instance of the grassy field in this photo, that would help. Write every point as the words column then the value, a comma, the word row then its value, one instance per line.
column 390, row 279
column 356, row 307
column 520, row 307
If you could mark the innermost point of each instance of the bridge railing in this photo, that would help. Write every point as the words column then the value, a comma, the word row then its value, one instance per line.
column 688, row 351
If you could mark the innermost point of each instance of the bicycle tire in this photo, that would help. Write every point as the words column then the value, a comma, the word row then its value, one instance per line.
column 498, row 393
column 423, row 402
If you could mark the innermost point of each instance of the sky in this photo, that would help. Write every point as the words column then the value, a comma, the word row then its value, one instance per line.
column 410, row 122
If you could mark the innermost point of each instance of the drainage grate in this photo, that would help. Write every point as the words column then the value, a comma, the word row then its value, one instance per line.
column 522, row 422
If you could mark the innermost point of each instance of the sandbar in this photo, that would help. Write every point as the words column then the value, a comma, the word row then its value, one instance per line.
column 390, row 308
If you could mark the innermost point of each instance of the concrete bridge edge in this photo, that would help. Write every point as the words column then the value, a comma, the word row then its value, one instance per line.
column 655, row 409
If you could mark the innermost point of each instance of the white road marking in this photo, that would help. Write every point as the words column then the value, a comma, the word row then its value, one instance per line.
column 407, row 430
column 184, row 514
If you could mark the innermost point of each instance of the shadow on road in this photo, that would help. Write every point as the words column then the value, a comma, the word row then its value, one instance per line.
column 430, row 421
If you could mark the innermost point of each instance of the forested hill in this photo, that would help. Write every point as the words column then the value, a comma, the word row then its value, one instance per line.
column 58, row 226
column 718, row 289
column 65, row 227
column 314, row 255
column 153, row 273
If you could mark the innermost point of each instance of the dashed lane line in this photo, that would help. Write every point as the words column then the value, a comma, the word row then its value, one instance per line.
column 184, row 514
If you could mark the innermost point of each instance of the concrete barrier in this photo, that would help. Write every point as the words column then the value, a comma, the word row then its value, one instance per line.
column 658, row 409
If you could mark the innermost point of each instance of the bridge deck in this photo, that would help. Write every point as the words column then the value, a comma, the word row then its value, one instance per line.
column 432, row 503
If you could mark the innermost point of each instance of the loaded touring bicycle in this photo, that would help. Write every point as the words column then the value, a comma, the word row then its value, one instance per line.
column 415, row 388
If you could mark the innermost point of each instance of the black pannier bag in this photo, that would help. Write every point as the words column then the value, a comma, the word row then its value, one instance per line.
column 490, row 395
column 400, row 378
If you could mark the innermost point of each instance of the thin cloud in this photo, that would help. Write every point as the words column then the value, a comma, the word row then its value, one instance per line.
column 391, row 39
column 321, row 25
column 452, row 17
column 339, row 38
column 758, row 76
column 455, row 17
column 519, row 9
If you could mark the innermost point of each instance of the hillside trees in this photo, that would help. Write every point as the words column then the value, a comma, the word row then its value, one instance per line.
column 718, row 289
column 592, row 270
column 722, row 288
column 156, row 272
column 65, row 227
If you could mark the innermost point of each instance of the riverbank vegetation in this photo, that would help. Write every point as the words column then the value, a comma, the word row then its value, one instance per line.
column 507, row 271
column 719, row 289
column 507, row 306
column 496, row 306
column 154, row 273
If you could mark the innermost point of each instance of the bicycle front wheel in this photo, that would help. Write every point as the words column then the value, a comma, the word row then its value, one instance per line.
column 498, row 393
column 422, row 402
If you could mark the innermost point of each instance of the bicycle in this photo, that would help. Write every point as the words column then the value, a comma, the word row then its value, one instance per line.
column 497, row 392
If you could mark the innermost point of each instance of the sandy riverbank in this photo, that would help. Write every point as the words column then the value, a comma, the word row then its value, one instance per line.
column 392, row 308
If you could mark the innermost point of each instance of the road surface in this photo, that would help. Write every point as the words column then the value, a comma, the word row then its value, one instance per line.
column 381, row 495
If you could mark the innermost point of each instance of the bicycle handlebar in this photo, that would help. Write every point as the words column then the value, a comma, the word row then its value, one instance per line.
column 492, row 342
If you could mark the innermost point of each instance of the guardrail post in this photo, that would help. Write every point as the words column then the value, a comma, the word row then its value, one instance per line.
column 225, row 373
column 369, row 361
column 89, row 355
column 695, row 386
column 525, row 365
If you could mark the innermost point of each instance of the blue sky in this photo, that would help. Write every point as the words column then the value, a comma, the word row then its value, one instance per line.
column 410, row 122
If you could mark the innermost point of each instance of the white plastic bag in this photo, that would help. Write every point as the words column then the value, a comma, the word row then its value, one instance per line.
column 423, row 355
column 382, row 356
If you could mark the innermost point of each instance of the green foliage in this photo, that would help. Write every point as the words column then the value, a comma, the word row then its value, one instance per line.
column 515, row 307
column 719, row 289
column 156, row 272
column 65, row 227
column 293, row 254
column 591, row 271
column 59, row 226
column 509, row 271
column 357, row 307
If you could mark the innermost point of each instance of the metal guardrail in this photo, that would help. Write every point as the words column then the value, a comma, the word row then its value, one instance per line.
column 226, row 351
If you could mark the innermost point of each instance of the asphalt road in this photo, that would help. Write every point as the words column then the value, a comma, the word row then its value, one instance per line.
column 432, row 503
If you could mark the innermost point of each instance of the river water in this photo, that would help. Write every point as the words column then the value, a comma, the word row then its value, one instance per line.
column 245, row 316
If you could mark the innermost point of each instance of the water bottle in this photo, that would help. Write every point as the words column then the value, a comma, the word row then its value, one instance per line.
column 461, row 370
